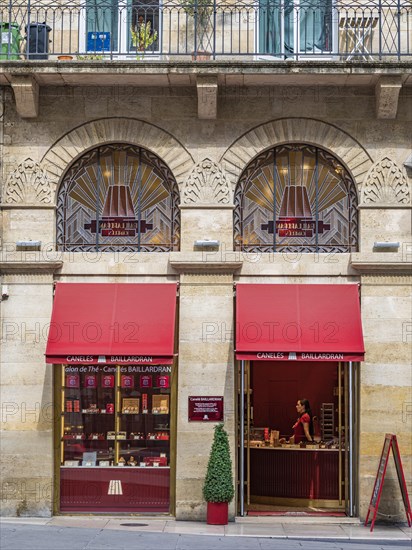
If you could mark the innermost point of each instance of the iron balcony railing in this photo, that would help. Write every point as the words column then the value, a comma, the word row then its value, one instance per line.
column 204, row 29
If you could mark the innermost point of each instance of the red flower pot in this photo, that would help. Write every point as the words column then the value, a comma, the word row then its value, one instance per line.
column 217, row 513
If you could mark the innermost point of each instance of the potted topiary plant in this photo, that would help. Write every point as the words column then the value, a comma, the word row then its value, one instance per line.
column 218, row 488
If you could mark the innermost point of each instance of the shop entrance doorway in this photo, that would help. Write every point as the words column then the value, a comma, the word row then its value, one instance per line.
column 279, row 475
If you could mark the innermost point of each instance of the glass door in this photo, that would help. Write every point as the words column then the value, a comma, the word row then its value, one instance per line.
column 278, row 472
column 294, row 28
column 102, row 26
column 121, row 27
column 350, row 436
column 143, row 29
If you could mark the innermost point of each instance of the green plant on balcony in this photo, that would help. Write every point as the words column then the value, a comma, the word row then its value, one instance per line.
column 90, row 57
column 142, row 36
column 201, row 11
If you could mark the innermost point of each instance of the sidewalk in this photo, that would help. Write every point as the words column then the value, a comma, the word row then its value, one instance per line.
column 278, row 527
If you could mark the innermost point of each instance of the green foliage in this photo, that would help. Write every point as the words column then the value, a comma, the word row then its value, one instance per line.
column 218, row 486
column 90, row 57
column 203, row 8
column 143, row 36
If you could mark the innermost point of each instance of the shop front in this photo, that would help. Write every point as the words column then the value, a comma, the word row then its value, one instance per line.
column 296, row 343
column 113, row 351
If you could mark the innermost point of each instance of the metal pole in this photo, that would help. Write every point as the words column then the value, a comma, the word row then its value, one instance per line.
column 351, row 439
column 274, row 199
column 399, row 29
column 98, row 181
column 139, row 201
column 317, row 201
column 28, row 31
column 214, row 29
column 340, row 429
column 196, row 16
column 242, row 439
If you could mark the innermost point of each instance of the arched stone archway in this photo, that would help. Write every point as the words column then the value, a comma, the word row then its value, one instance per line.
column 110, row 130
column 297, row 130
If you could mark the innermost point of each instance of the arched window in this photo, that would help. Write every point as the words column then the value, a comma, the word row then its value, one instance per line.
column 295, row 198
column 118, row 198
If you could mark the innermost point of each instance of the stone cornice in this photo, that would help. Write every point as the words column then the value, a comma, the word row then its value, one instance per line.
column 21, row 206
column 370, row 265
column 178, row 65
column 376, row 206
column 202, row 263
column 29, row 267
column 196, row 206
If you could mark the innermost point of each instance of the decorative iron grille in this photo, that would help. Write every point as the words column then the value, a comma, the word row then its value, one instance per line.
column 296, row 198
column 250, row 30
column 118, row 198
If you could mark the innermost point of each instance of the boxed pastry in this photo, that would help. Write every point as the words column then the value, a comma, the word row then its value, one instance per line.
column 130, row 405
column 160, row 404
column 155, row 461
column 274, row 438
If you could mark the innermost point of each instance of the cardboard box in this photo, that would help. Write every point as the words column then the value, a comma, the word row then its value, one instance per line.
column 155, row 460
column 160, row 404
column 130, row 405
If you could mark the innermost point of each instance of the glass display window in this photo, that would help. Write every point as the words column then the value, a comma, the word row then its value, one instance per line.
column 115, row 416
column 144, row 422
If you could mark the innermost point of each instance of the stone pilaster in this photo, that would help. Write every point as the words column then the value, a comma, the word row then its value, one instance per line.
column 26, row 391
column 385, row 386
column 206, row 368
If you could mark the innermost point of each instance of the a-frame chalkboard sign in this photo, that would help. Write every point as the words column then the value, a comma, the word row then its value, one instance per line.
column 390, row 443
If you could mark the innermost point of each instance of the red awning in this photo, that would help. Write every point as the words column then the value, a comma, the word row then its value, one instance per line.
column 109, row 323
column 298, row 322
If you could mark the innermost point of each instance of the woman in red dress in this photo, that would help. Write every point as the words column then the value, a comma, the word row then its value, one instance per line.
column 303, row 428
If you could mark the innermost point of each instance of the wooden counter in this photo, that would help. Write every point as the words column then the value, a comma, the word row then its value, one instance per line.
column 294, row 473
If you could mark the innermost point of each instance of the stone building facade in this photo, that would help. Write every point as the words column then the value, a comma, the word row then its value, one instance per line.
column 206, row 122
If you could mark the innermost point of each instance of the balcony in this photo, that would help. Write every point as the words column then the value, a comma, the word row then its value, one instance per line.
column 145, row 31
column 208, row 45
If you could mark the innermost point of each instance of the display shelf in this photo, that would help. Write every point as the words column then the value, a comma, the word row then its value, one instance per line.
column 142, row 414
column 113, row 414
column 116, row 467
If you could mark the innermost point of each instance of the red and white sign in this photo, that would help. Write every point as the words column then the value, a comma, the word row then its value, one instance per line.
column 162, row 381
column 109, row 360
column 108, row 381
column 205, row 409
column 90, row 381
column 72, row 381
column 127, row 381
column 390, row 442
column 146, row 381
column 298, row 356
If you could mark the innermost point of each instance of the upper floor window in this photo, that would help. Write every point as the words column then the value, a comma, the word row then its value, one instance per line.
column 296, row 198
column 296, row 27
column 121, row 26
column 118, row 197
